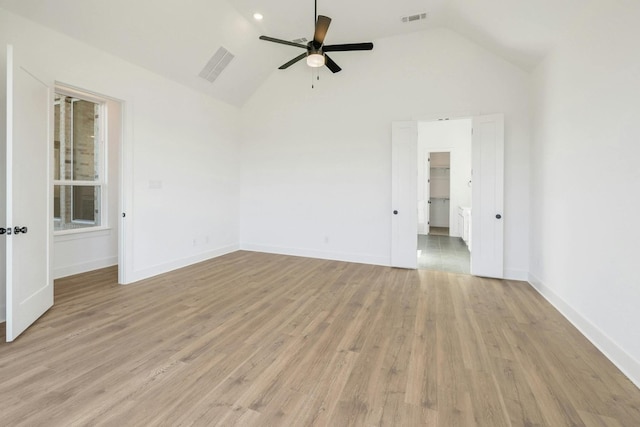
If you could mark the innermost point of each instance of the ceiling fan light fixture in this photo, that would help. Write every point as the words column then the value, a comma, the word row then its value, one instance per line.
column 315, row 49
column 315, row 60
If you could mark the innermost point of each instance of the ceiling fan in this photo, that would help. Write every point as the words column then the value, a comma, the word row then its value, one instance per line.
column 316, row 49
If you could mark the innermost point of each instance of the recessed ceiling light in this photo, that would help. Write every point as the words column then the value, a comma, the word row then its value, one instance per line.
column 258, row 16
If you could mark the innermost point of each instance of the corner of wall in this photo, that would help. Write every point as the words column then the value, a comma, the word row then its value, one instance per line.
column 621, row 359
column 69, row 270
column 520, row 275
column 184, row 262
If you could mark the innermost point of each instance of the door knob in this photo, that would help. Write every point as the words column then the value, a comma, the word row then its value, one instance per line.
column 498, row 216
column 18, row 230
column 395, row 212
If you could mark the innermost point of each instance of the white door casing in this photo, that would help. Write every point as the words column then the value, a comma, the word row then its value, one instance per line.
column 487, row 229
column 29, row 284
column 487, row 222
column 404, row 194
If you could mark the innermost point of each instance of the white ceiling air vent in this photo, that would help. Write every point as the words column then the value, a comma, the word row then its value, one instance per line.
column 216, row 64
column 416, row 17
column 301, row 40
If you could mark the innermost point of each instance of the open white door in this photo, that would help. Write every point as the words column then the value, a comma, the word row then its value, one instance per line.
column 28, row 196
column 487, row 223
column 404, row 193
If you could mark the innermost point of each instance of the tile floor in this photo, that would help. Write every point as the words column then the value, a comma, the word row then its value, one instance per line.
column 439, row 231
column 443, row 253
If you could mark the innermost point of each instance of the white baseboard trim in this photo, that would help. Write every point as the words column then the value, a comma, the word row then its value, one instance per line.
column 333, row 256
column 623, row 360
column 70, row 270
column 516, row 275
column 180, row 263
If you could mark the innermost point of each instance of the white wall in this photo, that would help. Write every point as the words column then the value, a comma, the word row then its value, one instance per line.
column 316, row 163
column 586, row 180
column 76, row 253
column 174, row 136
column 453, row 136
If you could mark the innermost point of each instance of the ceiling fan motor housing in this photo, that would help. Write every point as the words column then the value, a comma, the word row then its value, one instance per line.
column 315, row 49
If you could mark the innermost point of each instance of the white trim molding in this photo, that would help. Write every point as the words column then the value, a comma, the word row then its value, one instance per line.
column 70, row 270
column 310, row 253
column 623, row 360
column 138, row 275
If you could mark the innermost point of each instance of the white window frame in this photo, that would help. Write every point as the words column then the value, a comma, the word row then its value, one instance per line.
column 100, row 153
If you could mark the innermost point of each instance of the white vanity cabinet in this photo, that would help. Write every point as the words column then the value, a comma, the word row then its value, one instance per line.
column 464, row 224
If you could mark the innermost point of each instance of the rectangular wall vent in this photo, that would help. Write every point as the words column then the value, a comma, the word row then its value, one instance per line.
column 301, row 40
column 216, row 64
column 416, row 17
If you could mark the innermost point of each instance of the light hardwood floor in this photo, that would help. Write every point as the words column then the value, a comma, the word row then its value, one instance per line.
column 267, row 340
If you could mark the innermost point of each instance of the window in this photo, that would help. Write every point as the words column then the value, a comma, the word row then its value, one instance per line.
column 79, row 162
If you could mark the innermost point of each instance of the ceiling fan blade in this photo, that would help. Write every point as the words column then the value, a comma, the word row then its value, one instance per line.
column 347, row 47
column 322, row 25
column 331, row 65
column 287, row 42
column 293, row 61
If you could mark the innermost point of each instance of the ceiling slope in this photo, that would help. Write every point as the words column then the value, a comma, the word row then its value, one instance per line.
column 176, row 38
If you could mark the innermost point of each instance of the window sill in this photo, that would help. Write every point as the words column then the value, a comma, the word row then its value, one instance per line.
column 81, row 233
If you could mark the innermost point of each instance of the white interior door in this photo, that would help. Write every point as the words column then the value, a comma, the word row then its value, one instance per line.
column 427, row 194
column 29, row 286
column 404, row 194
column 487, row 222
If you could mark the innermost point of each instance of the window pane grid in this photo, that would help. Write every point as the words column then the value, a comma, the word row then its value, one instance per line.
column 76, row 206
column 78, row 163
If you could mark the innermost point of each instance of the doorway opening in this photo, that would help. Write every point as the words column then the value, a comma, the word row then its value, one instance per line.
column 444, row 191
column 439, row 183
column 86, row 153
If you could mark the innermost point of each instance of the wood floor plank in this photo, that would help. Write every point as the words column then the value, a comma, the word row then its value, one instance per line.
column 258, row 339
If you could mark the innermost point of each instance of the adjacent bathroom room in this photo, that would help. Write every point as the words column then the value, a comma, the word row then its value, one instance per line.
column 444, row 195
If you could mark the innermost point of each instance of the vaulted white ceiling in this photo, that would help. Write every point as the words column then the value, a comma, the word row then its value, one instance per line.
column 176, row 38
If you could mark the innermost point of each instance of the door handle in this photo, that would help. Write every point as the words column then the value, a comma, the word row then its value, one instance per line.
column 6, row 231
column 395, row 212
column 498, row 216
column 18, row 230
